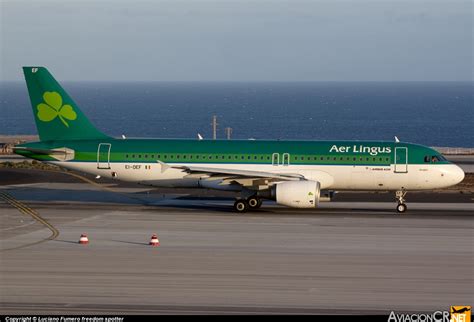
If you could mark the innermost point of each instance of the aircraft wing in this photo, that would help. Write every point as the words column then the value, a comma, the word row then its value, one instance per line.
column 247, row 178
column 242, row 173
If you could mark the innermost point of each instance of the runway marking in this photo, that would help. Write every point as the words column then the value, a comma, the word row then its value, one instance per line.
column 28, row 211
column 85, row 179
column 103, row 187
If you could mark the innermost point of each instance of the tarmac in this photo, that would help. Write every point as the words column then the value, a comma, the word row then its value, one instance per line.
column 352, row 256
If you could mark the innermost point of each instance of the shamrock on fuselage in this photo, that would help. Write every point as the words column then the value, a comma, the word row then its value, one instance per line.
column 54, row 108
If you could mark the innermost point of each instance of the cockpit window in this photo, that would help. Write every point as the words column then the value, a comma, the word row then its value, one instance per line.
column 435, row 158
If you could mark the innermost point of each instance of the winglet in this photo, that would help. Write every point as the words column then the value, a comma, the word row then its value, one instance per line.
column 164, row 166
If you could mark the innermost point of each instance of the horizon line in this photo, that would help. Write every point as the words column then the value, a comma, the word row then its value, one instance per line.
column 255, row 81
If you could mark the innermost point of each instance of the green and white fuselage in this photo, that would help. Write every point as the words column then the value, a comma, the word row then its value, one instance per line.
column 291, row 172
column 337, row 165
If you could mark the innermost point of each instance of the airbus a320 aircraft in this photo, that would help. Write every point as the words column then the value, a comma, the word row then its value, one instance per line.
column 293, row 173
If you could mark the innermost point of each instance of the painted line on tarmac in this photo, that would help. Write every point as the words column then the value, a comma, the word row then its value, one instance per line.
column 100, row 186
column 28, row 211
column 78, row 176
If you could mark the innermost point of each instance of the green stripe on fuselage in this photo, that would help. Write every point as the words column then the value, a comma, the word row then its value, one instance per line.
column 239, row 151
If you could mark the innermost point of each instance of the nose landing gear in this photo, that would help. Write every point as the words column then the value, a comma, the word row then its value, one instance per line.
column 400, row 196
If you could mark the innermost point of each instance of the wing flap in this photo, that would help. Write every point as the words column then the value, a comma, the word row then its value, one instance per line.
column 236, row 174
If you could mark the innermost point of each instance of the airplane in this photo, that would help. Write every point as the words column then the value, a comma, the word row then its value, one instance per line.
column 297, row 174
column 462, row 310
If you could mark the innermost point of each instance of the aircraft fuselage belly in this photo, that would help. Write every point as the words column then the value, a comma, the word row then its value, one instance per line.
column 334, row 177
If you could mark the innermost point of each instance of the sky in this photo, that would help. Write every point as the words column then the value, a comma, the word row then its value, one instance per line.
column 198, row 40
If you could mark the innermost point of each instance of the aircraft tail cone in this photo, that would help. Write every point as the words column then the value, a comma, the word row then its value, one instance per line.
column 154, row 240
column 83, row 240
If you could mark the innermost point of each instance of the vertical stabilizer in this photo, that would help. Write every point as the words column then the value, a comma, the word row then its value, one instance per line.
column 56, row 115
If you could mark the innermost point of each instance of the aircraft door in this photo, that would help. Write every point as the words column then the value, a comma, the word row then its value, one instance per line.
column 275, row 159
column 401, row 160
column 103, row 156
column 286, row 159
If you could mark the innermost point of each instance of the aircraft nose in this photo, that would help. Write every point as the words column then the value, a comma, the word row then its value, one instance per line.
column 457, row 174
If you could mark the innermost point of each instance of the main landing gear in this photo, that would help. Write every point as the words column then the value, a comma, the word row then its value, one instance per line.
column 400, row 196
column 244, row 205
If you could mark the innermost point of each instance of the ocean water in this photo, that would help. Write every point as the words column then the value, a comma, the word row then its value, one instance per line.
column 429, row 113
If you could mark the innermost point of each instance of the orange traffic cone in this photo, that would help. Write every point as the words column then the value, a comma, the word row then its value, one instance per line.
column 83, row 240
column 154, row 240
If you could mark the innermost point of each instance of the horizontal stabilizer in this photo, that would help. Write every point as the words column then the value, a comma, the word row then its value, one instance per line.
column 60, row 154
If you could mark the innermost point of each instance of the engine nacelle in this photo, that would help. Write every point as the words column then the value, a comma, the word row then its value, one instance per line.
column 297, row 194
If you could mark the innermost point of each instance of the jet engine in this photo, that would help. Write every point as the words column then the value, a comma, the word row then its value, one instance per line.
column 297, row 194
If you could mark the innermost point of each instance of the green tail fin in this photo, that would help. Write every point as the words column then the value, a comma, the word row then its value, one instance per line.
column 57, row 117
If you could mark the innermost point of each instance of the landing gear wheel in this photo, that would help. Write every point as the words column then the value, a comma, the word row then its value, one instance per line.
column 241, row 206
column 400, row 196
column 254, row 202
column 401, row 207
